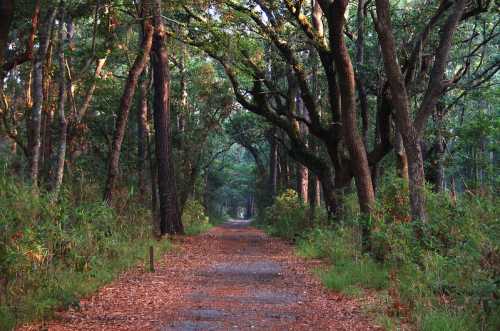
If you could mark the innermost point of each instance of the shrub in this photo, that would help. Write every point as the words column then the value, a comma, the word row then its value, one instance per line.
column 53, row 252
column 445, row 271
column 287, row 217
column 194, row 219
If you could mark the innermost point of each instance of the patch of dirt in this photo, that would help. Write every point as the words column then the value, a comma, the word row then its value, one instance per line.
column 232, row 278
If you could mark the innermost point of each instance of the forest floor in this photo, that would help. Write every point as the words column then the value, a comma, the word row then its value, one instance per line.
column 233, row 277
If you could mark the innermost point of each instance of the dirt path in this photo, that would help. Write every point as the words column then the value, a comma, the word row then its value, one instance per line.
column 231, row 278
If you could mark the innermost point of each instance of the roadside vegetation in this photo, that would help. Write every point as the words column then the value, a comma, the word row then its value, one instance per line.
column 441, row 275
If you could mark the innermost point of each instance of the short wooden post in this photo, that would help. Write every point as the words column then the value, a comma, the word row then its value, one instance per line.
column 151, row 259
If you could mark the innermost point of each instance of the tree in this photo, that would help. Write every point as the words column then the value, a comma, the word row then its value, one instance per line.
column 125, row 105
column 170, row 218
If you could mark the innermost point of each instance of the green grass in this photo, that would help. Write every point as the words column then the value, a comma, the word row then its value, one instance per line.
column 43, row 293
column 344, row 276
column 439, row 320
column 197, row 228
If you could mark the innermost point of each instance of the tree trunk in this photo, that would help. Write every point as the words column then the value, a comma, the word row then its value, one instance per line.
column 330, row 195
column 273, row 164
column 303, row 172
column 170, row 220
column 90, row 93
column 142, row 133
column 303, row 183
column 412, row 131
column 401, row 159
column 153, row 172
column 125, row 104
column 38, row 95
column 60, row 155
column 440, row 149
column 346, row 79
column 360, row 79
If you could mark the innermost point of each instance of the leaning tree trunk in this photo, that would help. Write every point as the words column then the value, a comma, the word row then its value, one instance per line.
column 170, row 220
column 411, row 131
column 38, row 99
column 125, row 104
column 60, row 155
column 346, row 79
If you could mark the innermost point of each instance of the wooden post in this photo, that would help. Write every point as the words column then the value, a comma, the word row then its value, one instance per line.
column 151, row 259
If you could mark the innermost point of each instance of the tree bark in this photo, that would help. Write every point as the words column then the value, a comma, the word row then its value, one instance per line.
column 346, row 79
column 38, row 95
column 142, row 133
column 401, row 159
column 60, row 155
column 273, row 164
column 360, row 79
column 170, row 218
column 125, row 104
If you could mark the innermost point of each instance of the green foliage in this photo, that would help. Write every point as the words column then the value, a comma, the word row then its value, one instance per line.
column 444, row 274
column 348, row 270
column 53, row 252
column 194, row 219
column 287, row 217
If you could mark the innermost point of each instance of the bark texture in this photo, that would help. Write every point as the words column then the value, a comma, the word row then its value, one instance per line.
column 60, row 155
column 142, row 132
column 38, row 95
column 347, row 85
column 170, row 218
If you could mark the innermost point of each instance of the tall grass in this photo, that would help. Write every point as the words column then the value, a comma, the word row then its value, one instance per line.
column 52, row 252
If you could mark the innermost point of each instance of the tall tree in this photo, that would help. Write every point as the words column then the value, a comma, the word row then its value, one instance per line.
column 39, row 74
column 125, row 104
column 411, row 130
column 170, row 220
column 60, row 154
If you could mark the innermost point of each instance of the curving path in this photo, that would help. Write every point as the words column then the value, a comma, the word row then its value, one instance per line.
column 232, row 278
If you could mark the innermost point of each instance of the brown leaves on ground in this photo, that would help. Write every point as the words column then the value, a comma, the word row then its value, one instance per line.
column 232, row 278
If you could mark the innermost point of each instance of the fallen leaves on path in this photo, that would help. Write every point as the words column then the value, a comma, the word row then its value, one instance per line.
column 232, row 278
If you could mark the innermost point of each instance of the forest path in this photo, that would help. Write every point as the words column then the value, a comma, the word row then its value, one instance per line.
column 234, row 277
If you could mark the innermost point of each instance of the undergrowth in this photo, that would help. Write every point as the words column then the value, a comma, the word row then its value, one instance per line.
column 54, row 252
column 441, row 275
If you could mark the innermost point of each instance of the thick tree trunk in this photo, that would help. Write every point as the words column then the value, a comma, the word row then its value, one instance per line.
column 346, row 79
column 303, row 183
column 38, row 95
column 125, row 104
column 60, row 155
column 317, row 15
column 170, row 220
column 330, row 195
